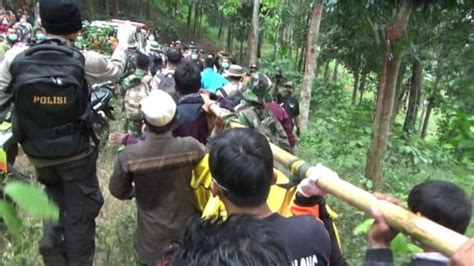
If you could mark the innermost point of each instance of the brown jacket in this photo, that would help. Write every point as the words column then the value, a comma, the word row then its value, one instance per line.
column 157, row 172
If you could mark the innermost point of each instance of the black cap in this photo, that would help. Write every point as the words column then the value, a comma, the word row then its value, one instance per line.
column 60, row 17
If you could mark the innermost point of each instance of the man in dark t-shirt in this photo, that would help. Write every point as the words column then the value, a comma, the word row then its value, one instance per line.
column 291, row 104
column 242, row 176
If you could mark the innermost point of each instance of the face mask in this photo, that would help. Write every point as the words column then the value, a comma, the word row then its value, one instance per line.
column 40, row 37
column 13, row 37
column 225, row 65
column 194, row 57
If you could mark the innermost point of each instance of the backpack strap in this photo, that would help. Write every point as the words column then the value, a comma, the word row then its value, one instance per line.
column 87, row 122
column 223, row 92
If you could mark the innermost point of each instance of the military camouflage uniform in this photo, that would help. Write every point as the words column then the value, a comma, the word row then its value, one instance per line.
column 136, row 87
column 256, row 116
column 267, row 124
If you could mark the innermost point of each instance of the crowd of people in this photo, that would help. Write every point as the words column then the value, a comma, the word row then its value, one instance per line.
column 19, row 28
column 176, row 100
column 250, row 94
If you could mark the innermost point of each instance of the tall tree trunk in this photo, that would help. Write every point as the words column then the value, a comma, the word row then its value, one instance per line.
column 414, row 100
column 253, row 44
column 141, row 8
column 355, row 87
column 362, row 81
column 200, row 23
column 229, row 38
column 221, row 26
column 196, row 19
column 190, row 15
column 336, row 69
column 310, row 62
column 91, row 9
column 383, row 114
column 297, row 58
column 107, row 7
column 399, row 90
column 301, row 58
column 259, row 46
column 116, row 8
column 431, row 104
column 426, row 119
column 318, row 71
column 290, row 45
column 424, row 106
column 241, row 52
column 149, row 11
column 326, row 71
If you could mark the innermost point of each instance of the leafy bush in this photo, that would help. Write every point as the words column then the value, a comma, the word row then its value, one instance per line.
column 456, row 129
column 29, row 199
column 22, row 206
column 115, row 238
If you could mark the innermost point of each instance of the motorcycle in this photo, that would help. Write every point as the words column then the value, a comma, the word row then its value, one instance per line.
column 101, row 95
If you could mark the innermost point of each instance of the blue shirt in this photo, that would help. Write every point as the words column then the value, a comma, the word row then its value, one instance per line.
column 211, row 80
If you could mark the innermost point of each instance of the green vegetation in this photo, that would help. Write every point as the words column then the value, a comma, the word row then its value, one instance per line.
column 435, row 140
column 22, row 207
column 339, row 135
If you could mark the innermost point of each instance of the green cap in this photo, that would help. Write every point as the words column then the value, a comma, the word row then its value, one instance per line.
column 289, row 84
column 258, row 88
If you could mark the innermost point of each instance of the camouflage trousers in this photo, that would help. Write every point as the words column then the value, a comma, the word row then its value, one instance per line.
column 133, row 127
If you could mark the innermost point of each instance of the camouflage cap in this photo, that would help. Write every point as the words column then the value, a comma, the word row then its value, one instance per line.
column 289, row 84
column 257, row 88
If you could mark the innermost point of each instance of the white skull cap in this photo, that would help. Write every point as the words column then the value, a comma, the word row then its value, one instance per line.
column 159, row 108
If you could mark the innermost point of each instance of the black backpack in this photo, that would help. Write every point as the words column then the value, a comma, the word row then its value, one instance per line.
column 167, row 83
column 231, row 101
column 52, row 114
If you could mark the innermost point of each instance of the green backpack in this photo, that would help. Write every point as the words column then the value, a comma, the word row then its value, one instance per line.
column 267, row 124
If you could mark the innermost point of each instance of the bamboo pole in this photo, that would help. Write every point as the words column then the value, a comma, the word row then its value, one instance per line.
column 428, row 232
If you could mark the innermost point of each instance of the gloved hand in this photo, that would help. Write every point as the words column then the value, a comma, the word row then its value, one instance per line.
column 125, row 33
column 308, row 186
